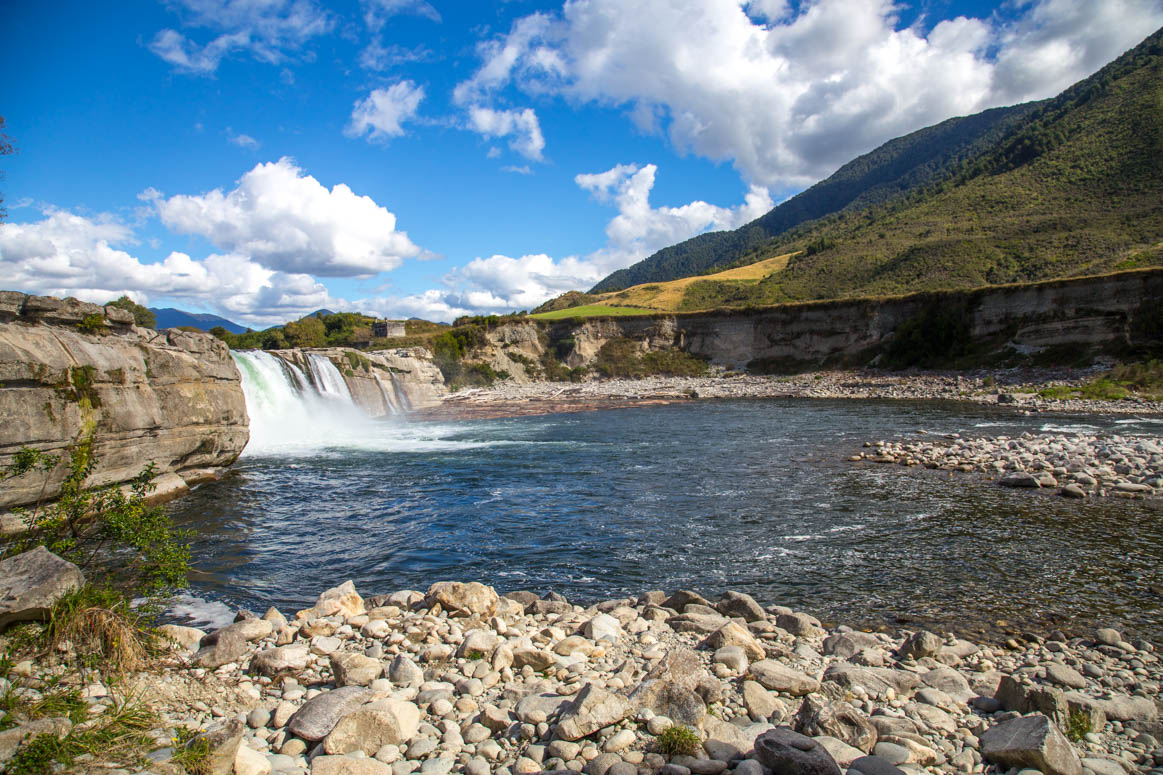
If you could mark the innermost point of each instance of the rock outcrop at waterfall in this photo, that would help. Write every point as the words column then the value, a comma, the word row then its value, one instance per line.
column 381, row 382
column 69, row 369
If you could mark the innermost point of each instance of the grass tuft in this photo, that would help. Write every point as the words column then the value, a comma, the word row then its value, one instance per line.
column 678, row 741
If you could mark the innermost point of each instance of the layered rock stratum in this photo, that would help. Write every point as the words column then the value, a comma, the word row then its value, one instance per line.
column 71, row 370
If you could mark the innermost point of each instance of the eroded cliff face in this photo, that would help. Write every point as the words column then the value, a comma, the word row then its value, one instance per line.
column 1104, row 314
column 381, row 382
column 70, row 369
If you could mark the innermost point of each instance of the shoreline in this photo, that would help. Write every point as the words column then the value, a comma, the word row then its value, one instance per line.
column 1014, row 390
column 460, row 679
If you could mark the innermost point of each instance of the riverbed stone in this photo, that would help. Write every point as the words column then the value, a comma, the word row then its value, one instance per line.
column 921, row 644
column 221, row 743
column 355, row 669
column 277, row 660
column 593, row 709
column 346, row 765
column 781, row 678
column 463, row 599
column 225, row 646
column 786, row 752
column 367, row 729
column 31, row 582
column 1030, row 741
column 740, row 604
column 732, row 634
column 837, row 720
column 318, row 716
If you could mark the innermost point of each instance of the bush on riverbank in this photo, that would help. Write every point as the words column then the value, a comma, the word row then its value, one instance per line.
column 621, row 358
column 127, row 549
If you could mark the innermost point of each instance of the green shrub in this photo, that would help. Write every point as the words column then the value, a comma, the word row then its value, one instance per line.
column 1078, row 726
column 93, row 324
column 114, row 536
column 678, row 741
column 142, row 316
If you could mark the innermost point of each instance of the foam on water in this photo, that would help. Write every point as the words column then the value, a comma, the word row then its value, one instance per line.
column 193, row 611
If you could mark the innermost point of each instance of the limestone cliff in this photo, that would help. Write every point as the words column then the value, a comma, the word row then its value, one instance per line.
column 68, row 369
column 1057, row 321
column 381, row 382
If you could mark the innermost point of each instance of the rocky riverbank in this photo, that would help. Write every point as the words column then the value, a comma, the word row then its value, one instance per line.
column 1075, row 465
column 1017, row 389
column 458, row 679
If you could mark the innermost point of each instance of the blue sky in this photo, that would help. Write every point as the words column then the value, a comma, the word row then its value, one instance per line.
column 263, row 158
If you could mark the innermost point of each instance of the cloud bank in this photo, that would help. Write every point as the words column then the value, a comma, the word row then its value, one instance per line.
column 789, row 96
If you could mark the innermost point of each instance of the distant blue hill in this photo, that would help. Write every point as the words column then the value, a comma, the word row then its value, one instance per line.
column 169, row 317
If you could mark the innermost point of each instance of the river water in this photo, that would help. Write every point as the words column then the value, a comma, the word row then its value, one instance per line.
column 710, row 495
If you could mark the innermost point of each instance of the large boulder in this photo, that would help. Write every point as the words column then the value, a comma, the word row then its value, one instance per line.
column 671, row 688
column 787, row 752
column 31, row 582
column 593, row 709
column 1030, row 741
column 219, row 648
column 465, row 599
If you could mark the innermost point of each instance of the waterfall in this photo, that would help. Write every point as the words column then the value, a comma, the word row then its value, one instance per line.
column 390, row 406
column 290, row 413
column 401, row 396
column 327, row 378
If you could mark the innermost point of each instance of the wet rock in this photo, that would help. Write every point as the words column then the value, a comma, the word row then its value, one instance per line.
column 786, row 752
column 31, row 582
column 684, row 597
column 593, row 709
column 1019, row 479
column 1030, row 741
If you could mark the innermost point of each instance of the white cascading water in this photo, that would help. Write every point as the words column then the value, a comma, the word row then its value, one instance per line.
column 290, row 416
column 327, row 378
column 288, row 412
column 389, row 403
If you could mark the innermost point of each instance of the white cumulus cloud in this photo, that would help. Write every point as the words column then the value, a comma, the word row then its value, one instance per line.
column 65, row 254
column 384, row 111
column 787, row 96
column 286, row 220
column 521, row 124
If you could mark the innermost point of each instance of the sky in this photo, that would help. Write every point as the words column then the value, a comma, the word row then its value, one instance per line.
column 261, row 159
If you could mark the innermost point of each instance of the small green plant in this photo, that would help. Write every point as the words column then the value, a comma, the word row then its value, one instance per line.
column 93, row 324
column 1077, row 725
column 191, row 753
column 678, row 741
column 475, row 655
